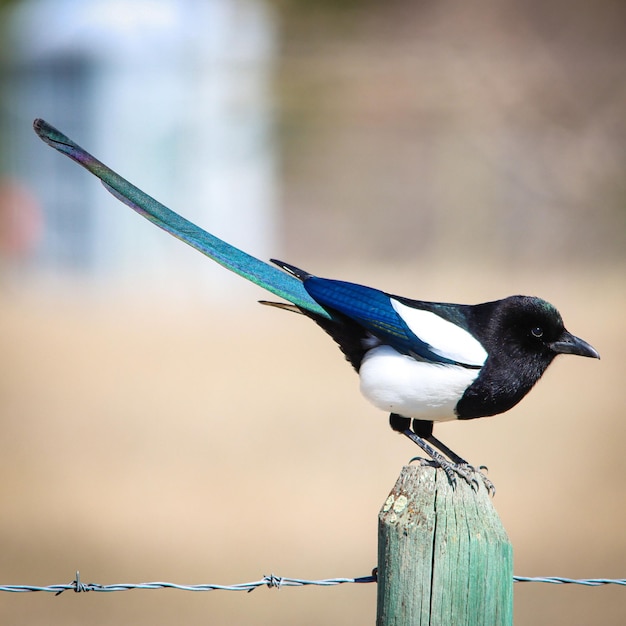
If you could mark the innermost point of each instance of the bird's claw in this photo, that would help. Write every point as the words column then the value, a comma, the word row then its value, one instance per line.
column 476, row 474
column 422, row 461
column 471, row 475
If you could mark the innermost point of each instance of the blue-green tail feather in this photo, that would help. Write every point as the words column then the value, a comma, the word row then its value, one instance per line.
column 263, row 274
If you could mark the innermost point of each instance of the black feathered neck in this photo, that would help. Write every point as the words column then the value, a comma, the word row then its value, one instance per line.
column 516, row 332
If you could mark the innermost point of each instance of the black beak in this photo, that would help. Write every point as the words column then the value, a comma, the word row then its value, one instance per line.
column 569, row 344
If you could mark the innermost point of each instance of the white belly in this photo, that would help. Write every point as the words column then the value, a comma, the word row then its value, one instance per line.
column 399, row 384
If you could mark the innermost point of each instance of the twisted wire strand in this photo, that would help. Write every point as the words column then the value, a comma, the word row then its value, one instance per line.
column 271, row 581
column 560, row 580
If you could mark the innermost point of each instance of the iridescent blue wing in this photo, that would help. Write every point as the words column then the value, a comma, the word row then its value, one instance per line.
column 373, row 310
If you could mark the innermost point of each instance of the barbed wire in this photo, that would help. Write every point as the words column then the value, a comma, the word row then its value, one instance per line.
column 271, row 581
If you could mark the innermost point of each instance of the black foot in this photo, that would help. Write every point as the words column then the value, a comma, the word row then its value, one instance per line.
column 476, row 474
column 471, row 475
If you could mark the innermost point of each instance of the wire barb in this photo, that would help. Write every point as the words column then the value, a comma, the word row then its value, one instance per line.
column 273, row 581
column 77, row 586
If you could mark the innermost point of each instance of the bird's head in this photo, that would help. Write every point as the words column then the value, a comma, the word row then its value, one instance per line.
column 532, row 326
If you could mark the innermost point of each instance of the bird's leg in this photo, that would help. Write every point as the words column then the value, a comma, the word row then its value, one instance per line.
column 442, row 447
column 420, row 433
column 450, row 468
column 422, row 430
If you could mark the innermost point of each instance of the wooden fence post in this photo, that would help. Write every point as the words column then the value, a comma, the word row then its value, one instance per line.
column 444, row 557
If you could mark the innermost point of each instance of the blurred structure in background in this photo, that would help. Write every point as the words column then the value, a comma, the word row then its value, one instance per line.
column 174, row 95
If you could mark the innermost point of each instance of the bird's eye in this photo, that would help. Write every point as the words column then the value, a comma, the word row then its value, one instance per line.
column 537, row 331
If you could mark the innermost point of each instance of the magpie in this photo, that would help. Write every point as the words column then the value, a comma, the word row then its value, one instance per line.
column 426, row 362
column 422, row 362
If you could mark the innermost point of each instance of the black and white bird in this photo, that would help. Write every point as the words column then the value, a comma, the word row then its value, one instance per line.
column 422, row 362
column 426, row 362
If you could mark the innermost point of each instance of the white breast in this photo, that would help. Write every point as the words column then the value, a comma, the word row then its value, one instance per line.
column 399, row 384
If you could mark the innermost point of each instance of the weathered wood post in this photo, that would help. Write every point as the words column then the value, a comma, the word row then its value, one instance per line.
column 444, row 557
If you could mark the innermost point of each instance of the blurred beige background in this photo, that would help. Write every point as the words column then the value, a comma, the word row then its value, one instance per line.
column 439, row 151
